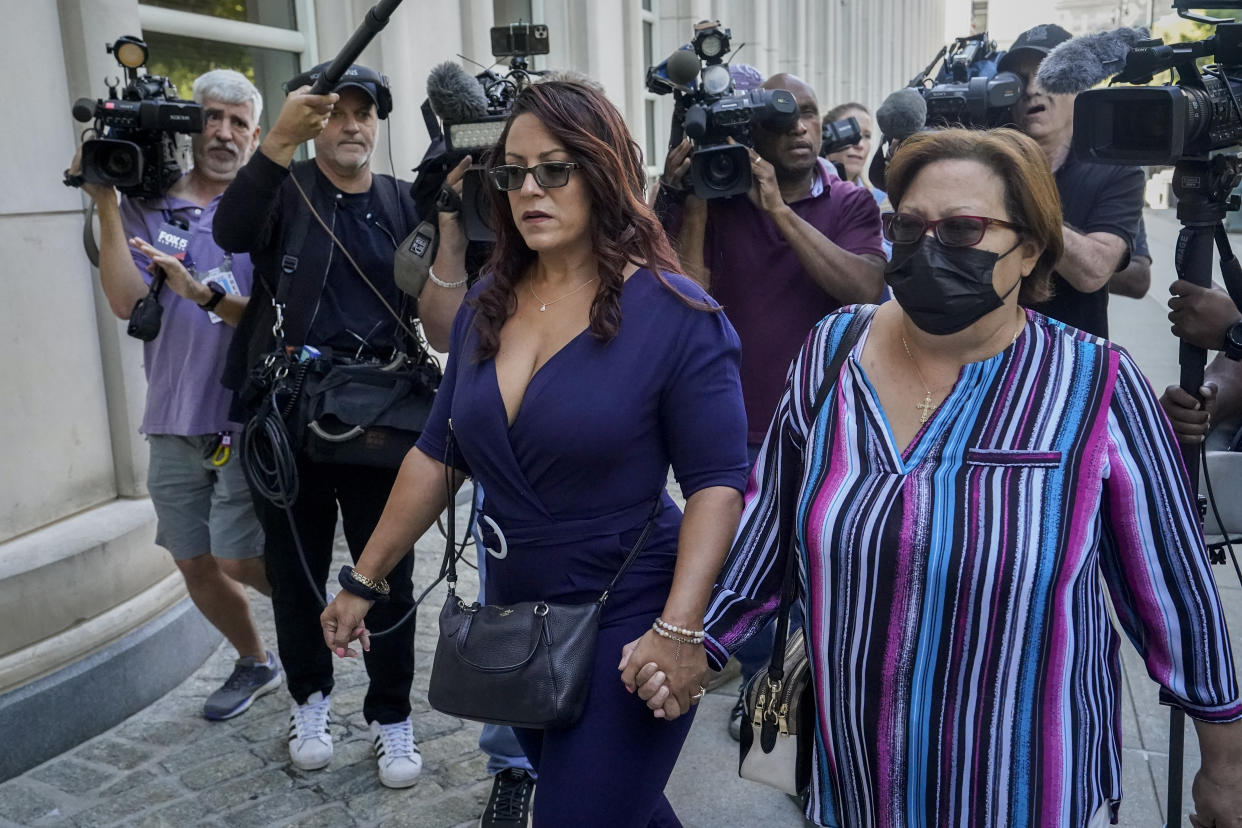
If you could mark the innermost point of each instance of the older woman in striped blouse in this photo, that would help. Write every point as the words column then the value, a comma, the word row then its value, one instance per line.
column 979, row 485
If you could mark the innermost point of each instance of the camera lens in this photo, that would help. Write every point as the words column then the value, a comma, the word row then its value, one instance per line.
column 118, row 163
column 721, row 171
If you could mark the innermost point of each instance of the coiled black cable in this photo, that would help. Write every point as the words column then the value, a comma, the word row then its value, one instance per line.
column 270, row 465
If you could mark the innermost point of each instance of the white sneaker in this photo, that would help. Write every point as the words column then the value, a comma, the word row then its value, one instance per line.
column 310, row 743
column 397, row 753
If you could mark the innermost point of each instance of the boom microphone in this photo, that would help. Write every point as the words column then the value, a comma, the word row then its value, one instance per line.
column 683, row 67
column 902, row 114
column 1082, row 62
column 455, row 95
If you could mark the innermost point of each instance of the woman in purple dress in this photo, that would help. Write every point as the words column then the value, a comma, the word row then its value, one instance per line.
column 580, row 370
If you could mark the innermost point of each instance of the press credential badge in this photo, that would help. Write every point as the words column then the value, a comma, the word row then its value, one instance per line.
column 223, row 276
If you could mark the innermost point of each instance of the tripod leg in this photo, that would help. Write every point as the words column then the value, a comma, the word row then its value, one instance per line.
column 1177, row 738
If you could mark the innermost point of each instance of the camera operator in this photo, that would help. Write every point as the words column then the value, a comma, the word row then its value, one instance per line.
column 205, row 516
column 800, row 245
column 1101, row 203
column 332, row 310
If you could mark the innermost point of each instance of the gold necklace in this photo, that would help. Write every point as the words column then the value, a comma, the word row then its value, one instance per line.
column 925, row 407
column 543, row 306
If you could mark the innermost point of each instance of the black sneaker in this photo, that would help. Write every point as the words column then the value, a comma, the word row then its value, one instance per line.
column 738, row 714
column 250, row 679
column 509, row 804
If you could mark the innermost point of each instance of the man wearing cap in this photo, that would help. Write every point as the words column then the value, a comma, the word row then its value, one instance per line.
column 328, row 306
column 1101, row 203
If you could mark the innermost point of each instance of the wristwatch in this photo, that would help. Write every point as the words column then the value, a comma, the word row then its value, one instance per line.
column 1233, row 341
column 217, row 293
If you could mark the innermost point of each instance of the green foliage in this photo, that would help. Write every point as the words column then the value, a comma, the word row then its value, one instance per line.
column 1174, row 29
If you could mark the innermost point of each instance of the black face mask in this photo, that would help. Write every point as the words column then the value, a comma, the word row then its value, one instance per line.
column 946, row 289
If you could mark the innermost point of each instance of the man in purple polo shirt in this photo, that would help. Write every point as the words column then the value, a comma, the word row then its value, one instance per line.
column 801, row 244
column 205, row 515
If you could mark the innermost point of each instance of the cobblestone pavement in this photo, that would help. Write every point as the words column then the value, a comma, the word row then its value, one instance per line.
column 168, row 766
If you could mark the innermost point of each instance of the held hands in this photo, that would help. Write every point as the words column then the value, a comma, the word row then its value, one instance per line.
column 1217, row 793
column 342, row 622
column 1201, row 315
column 1189, row 417
column 176, row 276
column 302, row 117
column 670, row 682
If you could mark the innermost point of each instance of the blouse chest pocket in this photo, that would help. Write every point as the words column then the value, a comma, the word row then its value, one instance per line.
column 1013, row 458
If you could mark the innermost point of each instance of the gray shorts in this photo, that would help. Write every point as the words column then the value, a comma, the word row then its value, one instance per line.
column 200, row 507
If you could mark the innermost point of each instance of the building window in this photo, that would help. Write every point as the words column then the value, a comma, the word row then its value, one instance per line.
column 979, row 16
column 268, row 41
column 654, row 109
column 182, row 59
column 279, row 13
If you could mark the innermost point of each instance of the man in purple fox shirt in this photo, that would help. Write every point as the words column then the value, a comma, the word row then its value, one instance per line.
column 205, row 515
column 800, row 244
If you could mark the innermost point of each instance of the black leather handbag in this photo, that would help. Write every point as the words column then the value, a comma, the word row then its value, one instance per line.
column 522, row 665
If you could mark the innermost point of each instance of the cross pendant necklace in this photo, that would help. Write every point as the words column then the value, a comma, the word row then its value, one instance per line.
column 925, row 407
column 543, row 306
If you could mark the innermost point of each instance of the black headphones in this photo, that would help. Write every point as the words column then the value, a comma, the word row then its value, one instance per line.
column 356, row 75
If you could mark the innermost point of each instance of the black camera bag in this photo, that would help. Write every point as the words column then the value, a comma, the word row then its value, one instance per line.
column 365, row 414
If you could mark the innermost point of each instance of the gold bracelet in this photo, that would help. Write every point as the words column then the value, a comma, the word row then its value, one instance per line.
column 380, row 586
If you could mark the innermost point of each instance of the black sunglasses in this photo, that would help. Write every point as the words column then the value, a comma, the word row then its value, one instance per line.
column 547, row 174
column 951, row 231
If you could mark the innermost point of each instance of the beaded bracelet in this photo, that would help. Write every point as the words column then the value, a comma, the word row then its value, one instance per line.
column 431, row 274
column 680, row 639
column 660, row 622
column 676, row 639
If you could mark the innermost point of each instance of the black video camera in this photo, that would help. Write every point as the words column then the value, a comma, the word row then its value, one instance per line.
column 967, row 90
column 1164, row 124
column 134, row 148
column 709, row 111
column 474, row 112
column 837, row 135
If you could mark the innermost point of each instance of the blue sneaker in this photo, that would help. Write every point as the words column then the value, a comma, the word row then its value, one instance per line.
column 250, row 679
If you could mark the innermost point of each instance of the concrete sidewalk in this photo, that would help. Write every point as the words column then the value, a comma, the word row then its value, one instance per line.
column 167, row 766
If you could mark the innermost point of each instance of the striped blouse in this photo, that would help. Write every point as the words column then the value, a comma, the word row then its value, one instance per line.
column 965, row 668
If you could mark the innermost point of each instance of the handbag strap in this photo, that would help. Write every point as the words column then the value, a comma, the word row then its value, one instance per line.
column 788, row 494
column 449, row 565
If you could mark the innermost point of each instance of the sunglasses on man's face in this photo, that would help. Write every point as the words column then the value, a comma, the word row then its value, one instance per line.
column 951, row 231
column 547, row 174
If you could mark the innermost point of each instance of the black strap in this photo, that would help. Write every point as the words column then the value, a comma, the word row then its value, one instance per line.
column 430, row 120
column 449, row 565
column 297, row 310
column 787, row 494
